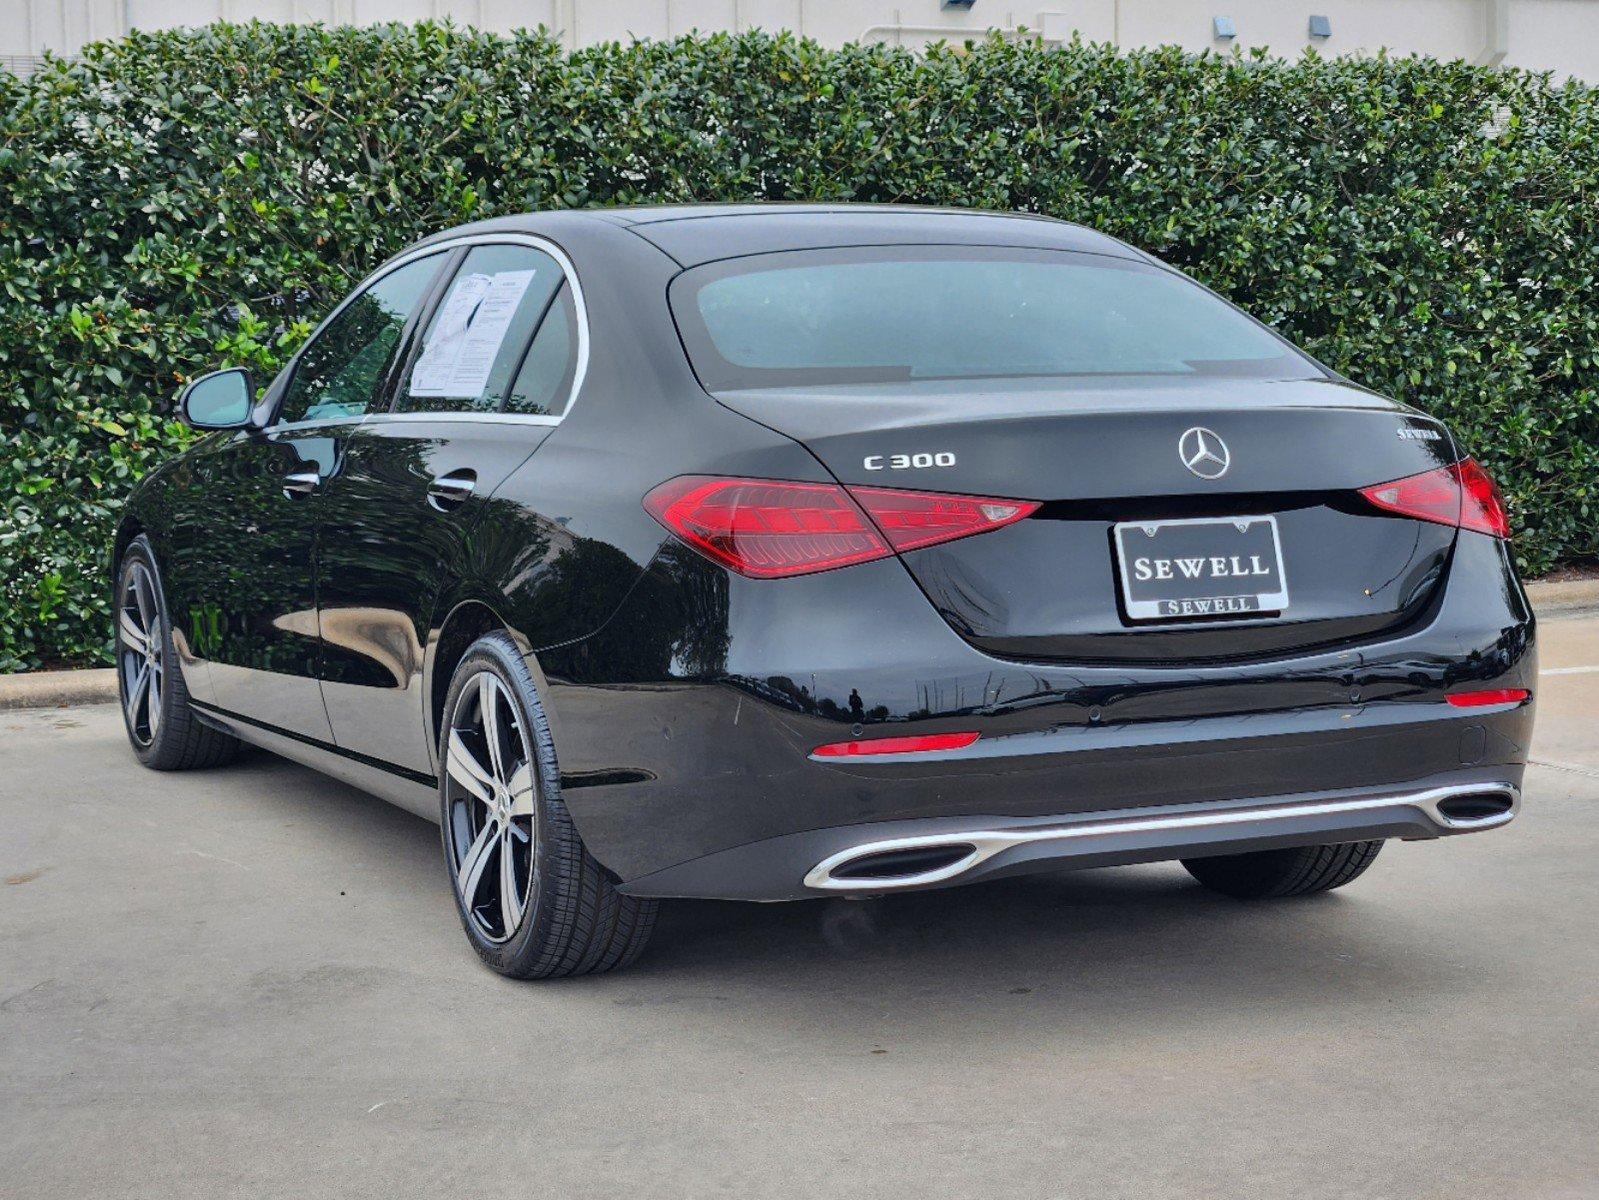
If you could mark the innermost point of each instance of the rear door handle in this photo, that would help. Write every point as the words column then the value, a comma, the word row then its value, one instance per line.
column 300, row 483
column 450, row 490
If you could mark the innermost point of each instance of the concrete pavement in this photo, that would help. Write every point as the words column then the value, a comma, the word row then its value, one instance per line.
column 251, row 982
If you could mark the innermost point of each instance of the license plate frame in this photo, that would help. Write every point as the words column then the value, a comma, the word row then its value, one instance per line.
column 1211, row 595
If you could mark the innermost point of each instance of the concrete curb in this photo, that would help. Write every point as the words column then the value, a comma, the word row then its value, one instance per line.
column 1565, row 598
column 48, row 689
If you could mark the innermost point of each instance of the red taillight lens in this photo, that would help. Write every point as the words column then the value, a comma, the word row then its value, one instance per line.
column 1492, row 696
column 896, row 745
column 913, row 519
column 1461, row 494
column 767, row 529
column 1481, row 507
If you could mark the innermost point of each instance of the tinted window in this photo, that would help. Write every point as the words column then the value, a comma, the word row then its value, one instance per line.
column 341, row 372
column 842, row 316
column 544, row 380
column 476, row 337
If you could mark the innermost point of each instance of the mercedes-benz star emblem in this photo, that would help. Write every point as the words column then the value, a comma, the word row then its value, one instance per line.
column 1204, row 453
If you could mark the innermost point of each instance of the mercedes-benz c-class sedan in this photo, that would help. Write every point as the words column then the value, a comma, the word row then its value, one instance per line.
column 772, row 552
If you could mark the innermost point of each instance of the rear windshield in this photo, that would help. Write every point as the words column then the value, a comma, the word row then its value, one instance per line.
column 868, row 315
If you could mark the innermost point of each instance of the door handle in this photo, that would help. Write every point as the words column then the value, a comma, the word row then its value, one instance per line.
column 300, row 483
column 450, row 490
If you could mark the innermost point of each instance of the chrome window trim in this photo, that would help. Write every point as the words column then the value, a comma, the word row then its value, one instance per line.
column 568, row 272
column 315, row 423
column 489, row 418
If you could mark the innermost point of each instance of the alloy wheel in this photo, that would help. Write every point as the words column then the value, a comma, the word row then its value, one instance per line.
column 140, row 665
column 489, row 792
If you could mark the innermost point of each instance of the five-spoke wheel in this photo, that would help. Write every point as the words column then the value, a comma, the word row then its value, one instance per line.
column 489, row 794
column 139, row 653
column 532, row 900
column 164, row 729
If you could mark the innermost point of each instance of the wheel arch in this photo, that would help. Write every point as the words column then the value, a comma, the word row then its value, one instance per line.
column 144, row 511
column 468, row 620
column 128, row 528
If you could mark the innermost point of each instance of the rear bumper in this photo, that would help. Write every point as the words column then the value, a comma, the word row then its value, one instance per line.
column 685, row 728
column 882, row 857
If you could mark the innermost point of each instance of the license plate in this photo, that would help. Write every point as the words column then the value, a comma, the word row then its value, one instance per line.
column 1207, row 567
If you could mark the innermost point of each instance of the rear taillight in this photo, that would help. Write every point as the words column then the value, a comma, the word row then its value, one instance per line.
column 1481, row 507
column 911, row 520
column 768, row 528
column 1461, row 494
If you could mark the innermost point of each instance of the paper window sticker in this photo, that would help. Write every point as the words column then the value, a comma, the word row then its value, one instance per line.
column 435, row 365
column 480, row 345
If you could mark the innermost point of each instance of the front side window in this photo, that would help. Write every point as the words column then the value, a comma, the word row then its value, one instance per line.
column 478, row 336
column 342, row 371
column 882, row 315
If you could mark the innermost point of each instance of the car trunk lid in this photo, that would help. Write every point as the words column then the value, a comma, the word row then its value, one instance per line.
column 1108, row 458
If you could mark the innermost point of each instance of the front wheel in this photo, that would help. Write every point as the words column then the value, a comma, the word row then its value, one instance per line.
column 162, row 727
column 533, row 901
column 1298, row 871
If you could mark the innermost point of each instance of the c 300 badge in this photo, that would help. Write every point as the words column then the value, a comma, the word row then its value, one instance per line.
column 908, row 462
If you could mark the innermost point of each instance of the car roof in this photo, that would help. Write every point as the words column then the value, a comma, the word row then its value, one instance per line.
column 700, row 233
column 695, row 234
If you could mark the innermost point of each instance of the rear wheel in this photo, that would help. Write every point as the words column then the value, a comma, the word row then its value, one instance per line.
column 533, row 901
column 1269, row 874
column 162, row 726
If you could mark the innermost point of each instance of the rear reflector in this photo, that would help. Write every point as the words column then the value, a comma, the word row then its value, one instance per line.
column 1461, row 495
column 896, row 745
column 768, row 528
column 1492, row 696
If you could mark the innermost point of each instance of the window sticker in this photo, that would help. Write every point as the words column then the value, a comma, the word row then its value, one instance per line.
column 459, row 354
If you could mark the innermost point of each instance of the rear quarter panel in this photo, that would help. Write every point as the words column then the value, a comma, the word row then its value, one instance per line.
column 565, row 539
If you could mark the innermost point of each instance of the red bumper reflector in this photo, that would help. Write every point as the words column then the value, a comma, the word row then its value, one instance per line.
column 896, row 745
column 1492, row 696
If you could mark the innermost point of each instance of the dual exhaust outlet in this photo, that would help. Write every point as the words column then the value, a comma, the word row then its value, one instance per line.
column 920, row 861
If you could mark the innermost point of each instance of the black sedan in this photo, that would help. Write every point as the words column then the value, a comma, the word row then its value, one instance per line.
column 771, row 552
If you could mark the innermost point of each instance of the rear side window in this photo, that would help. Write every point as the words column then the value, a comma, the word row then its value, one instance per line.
column 951, row 312
column 544, row 380
column 341, row 371
column 472, row 352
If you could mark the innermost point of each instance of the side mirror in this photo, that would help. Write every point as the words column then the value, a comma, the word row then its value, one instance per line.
column 221, row 400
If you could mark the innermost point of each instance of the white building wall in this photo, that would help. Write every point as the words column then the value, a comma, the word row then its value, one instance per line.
column 1557, row 35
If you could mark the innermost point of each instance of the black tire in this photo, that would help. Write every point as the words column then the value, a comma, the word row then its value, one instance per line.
column 1271, row 874
column 566, row 916
column 163, row 728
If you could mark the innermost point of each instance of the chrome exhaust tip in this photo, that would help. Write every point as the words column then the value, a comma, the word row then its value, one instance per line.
column 1481, row 809
column 904, row 862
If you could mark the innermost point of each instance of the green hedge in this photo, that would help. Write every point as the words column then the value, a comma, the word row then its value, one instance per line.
column 178, row 200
